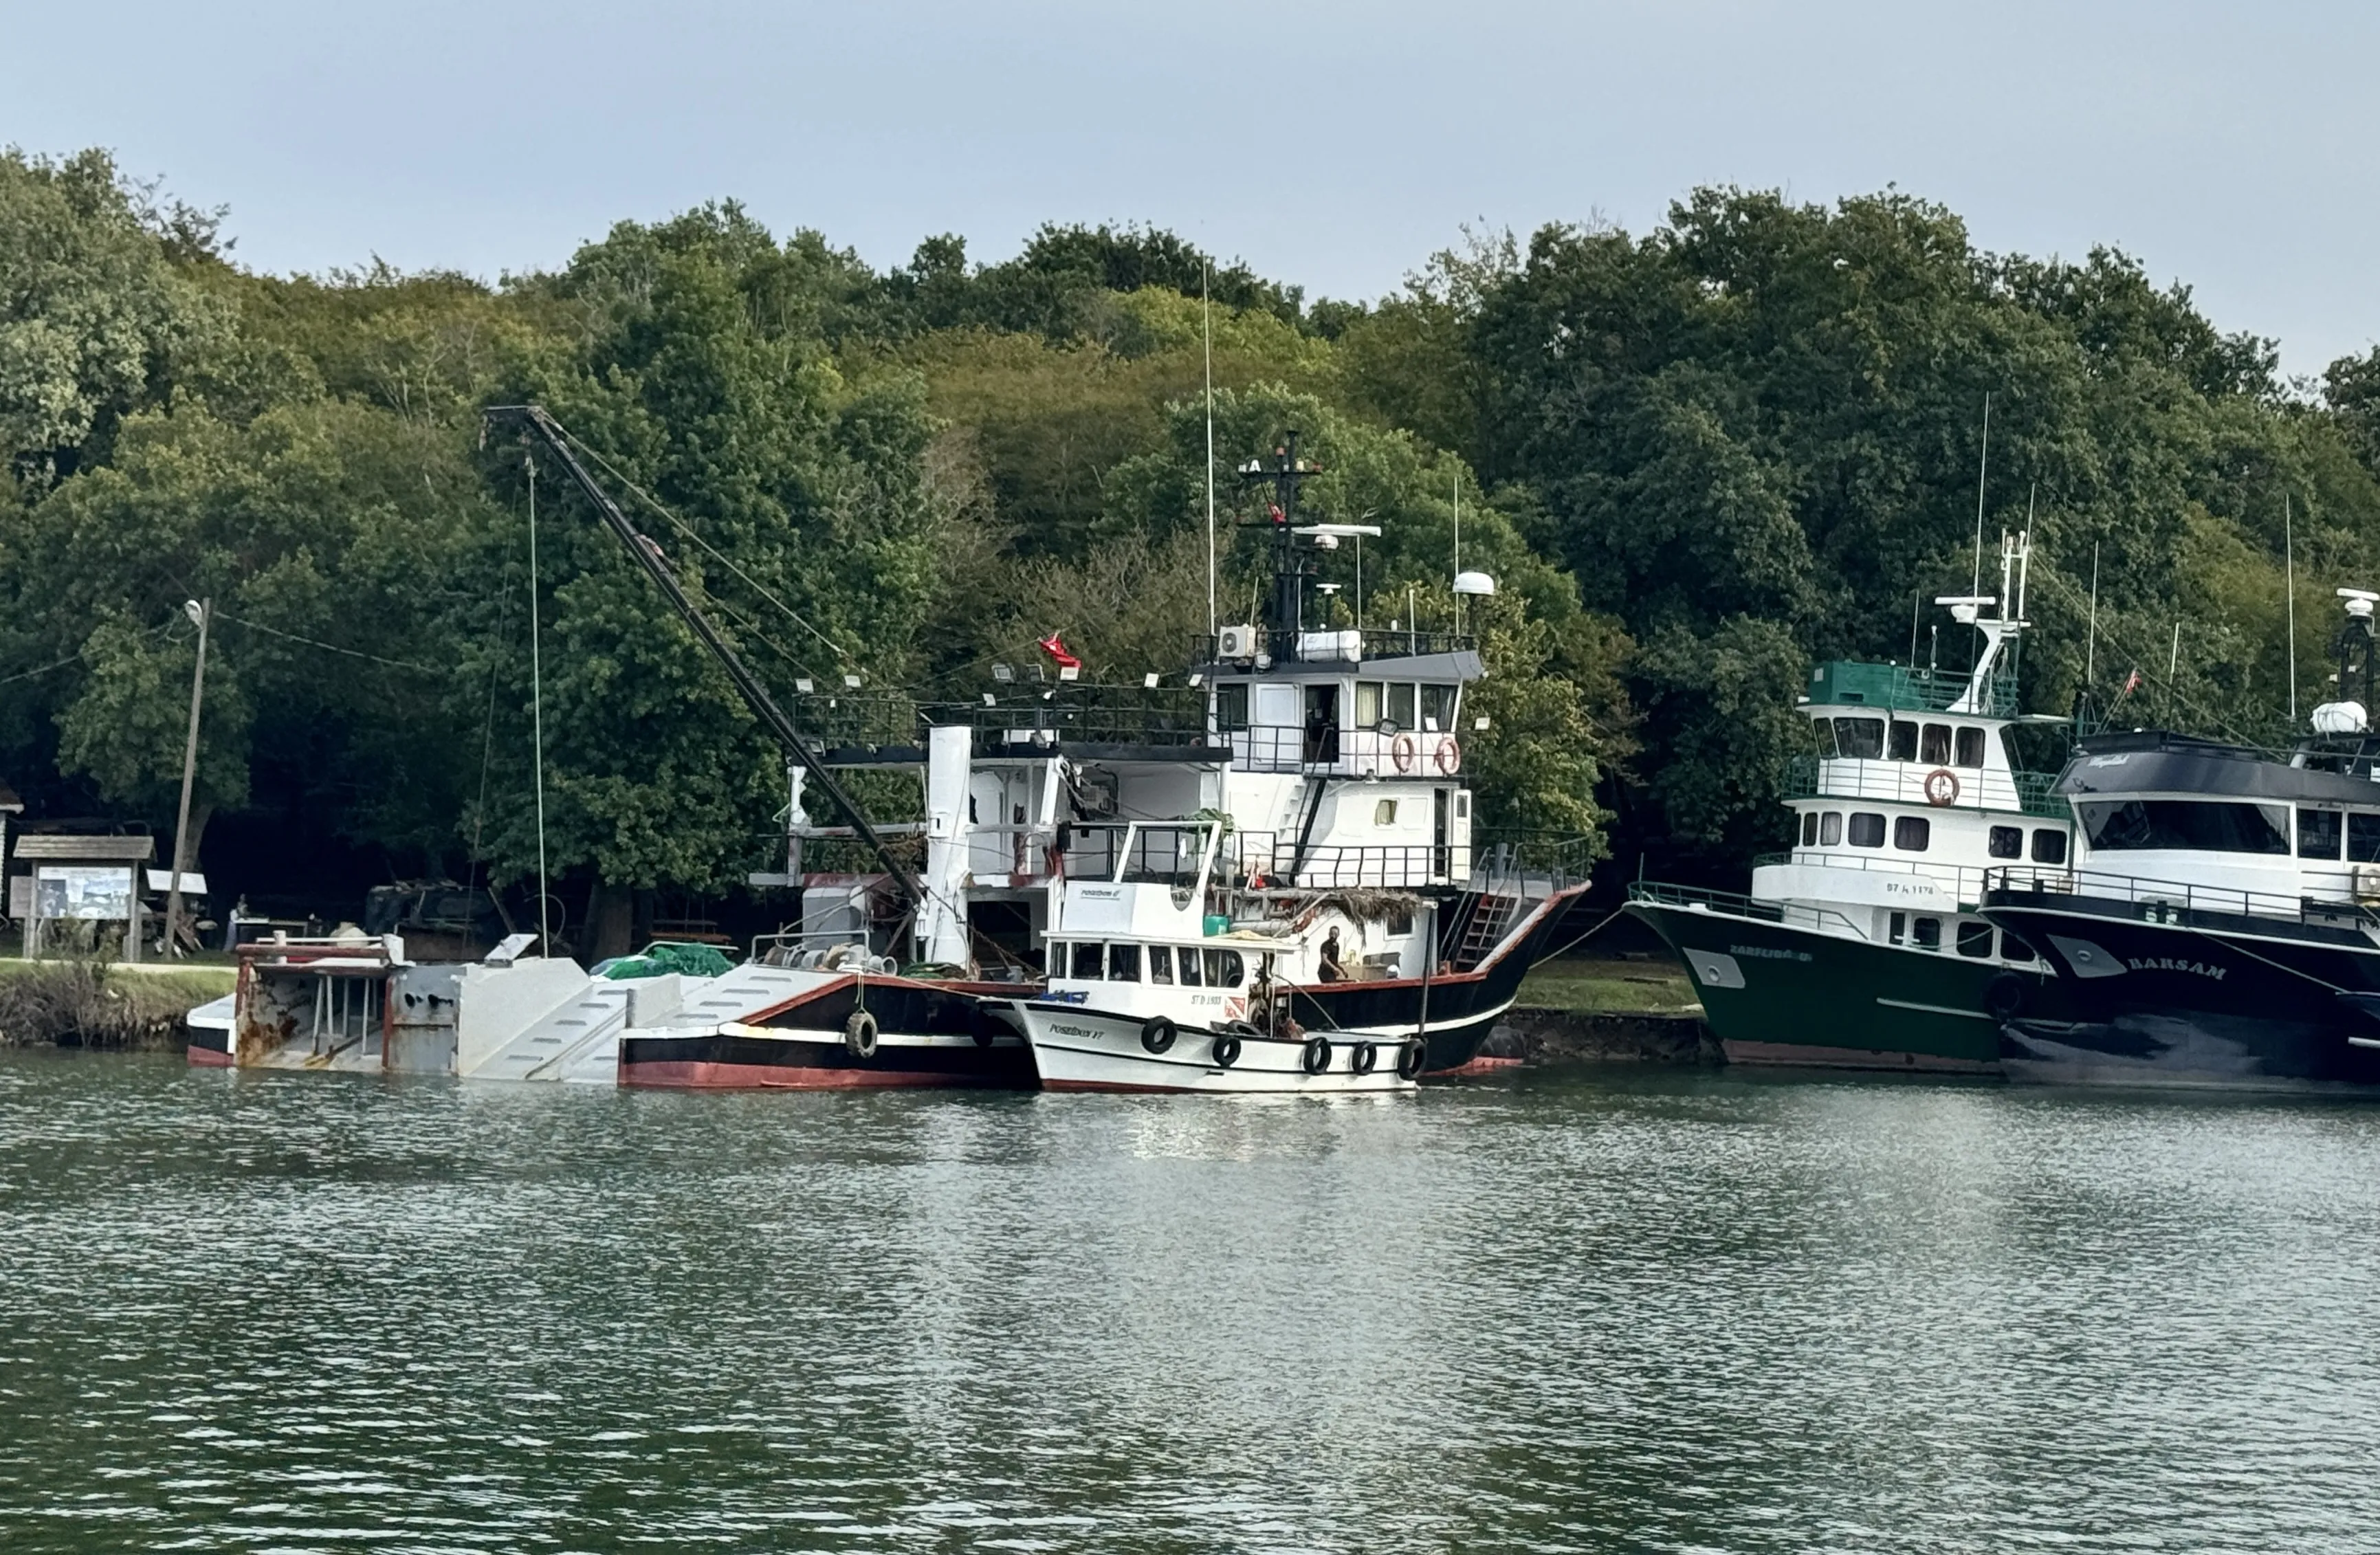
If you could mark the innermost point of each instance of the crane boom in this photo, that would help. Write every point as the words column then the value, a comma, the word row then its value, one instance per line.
column 764, row 707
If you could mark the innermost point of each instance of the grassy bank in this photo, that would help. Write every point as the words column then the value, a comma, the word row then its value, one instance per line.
column 95, row 1005
column 1609, row 985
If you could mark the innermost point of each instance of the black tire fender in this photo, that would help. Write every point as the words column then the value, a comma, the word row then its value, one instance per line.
column 2004, row 996
column 1317, row 1055
column 1158, row 1034
column 1227, row 1049
column 859, row 1035
column 1411, row 1058
column 1364, row 1059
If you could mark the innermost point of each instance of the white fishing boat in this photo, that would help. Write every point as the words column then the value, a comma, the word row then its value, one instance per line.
column 1143, row 995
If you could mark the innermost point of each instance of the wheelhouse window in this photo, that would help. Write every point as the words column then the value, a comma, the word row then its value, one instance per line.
column 1401, row 705
column 1902, row 747
column 1123, row 964
column 1225, row 968
column 1911, row 832
column 1971, row 748
column 1371, row 704
column 1860, row 739
column 1231, row 706
column 2363, row 839
column 2318, row 833
column 2189, row 825
column 1437, row 706
column 1160, row 963
column 1188, row 963
column 1934, row 745
column 2048, row 846
column 1809, row 828
column 1830, row 829
column 1975, row 939
column 1867, row 829
column 1085, row 964
column 2005, row 842
column 1825, row 729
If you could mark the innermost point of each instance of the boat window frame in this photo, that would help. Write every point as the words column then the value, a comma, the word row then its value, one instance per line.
column 1830, row 829
column 1896, row 749
column 2014, row 842
column 1971, row 938
column 2139, row 824
column 1097, row 949
column 1926, row 932
column 1123, row 960
column 1967, row 737
column 1866, row 749
column 2041, row 855
column 1934, row 745
column 2372, row 827
column 2336, row 828
column 1907, row 826
column 1161, row 966
column 1233, row 966
column 1186, row 968
column 1852, row 827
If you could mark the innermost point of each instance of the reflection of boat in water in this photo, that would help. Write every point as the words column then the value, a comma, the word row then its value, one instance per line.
column 1864, row 947
column 2218, row 928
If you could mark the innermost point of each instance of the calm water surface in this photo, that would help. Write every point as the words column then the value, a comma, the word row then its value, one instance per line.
column 295, row 1313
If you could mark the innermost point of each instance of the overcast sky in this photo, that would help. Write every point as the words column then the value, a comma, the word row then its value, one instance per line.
column 1331, row 145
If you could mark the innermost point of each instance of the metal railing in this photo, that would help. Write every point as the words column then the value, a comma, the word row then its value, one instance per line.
column 1966, row 881
column 1730, row 904
column 1291, row 748
column 1337, row 646
column 2157, row 901
column 1845, row 777
column 1901, row 688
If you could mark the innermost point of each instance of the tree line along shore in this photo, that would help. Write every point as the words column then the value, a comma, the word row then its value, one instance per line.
column 1695, row 459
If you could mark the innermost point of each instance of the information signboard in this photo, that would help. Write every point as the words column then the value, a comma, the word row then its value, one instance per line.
column 89, row 892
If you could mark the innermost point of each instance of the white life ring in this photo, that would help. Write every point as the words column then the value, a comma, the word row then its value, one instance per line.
column 1401, row 751
column 1941, row 787
column 1449, row 756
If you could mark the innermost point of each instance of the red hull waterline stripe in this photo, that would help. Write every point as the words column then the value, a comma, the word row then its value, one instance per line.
column 209, row 1058
column 697, row 1074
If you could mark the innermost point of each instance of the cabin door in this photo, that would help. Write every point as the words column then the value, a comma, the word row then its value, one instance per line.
column 1440, row 863
column 1322, row 725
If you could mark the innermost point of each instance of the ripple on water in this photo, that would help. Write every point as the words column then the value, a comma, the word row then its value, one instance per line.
column 310, row 1312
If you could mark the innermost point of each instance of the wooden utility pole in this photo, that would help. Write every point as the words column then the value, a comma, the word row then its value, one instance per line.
column 198, row 611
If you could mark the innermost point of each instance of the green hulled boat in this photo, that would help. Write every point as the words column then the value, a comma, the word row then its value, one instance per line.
column 1861, row 947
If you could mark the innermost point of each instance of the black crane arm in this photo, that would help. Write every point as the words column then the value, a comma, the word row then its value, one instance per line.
column 649, row 556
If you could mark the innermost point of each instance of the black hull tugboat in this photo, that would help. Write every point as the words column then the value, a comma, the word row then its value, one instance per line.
column 2218, row 928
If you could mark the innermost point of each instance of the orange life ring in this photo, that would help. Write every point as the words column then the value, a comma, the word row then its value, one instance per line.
column 1941, row 787
column 1401, row 751
column 1449, row 755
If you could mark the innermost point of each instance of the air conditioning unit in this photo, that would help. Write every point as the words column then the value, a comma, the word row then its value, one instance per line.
column 1236, row 643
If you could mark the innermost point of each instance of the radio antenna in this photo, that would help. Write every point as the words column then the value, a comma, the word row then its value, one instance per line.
column 2289, row 577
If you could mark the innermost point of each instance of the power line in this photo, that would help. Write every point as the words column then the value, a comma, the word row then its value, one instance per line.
column 689, row 532
column 326, row 647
